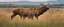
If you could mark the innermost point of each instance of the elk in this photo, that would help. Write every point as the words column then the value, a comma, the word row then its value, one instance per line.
column 29, row 12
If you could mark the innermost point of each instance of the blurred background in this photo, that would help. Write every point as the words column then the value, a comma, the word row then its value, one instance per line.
column 54, row 17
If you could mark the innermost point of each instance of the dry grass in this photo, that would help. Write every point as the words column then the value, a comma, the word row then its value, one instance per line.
column 54, row 17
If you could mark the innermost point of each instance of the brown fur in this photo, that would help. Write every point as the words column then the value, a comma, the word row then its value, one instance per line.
column 29, row 12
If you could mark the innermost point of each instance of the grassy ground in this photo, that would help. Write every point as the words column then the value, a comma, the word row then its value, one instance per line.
column 54, row 17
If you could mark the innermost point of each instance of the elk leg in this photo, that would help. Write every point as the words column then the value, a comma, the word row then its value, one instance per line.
column 32, row 17
column 28, row 17
column 20, row 16
column 36, row 17
column 24, row 18
column 13, row 16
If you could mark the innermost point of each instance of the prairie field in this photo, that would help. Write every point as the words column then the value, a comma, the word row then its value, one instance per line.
column 54, row 17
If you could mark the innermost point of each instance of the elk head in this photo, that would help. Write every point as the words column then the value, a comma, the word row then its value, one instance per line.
column 44, row 8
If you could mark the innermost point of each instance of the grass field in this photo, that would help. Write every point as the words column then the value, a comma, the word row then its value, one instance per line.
column 54, row 17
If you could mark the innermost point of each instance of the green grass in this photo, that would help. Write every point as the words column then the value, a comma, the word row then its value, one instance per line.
column 41, row 24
